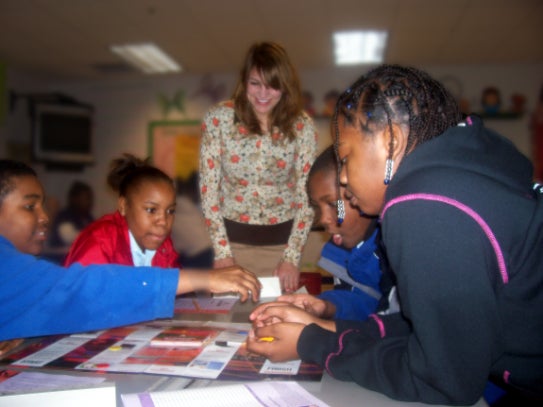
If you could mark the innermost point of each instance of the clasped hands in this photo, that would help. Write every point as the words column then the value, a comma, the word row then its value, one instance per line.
column 283, row 320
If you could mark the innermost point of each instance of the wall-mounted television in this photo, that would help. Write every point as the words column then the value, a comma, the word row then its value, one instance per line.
column 63, row 134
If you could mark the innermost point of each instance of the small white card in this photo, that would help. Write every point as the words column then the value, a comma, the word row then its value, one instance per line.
column 289, row 368
column 271, row 287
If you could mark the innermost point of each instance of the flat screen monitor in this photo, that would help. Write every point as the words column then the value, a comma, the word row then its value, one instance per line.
column 63, row 134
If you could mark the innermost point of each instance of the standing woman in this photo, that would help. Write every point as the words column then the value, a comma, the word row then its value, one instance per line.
column 255, row 156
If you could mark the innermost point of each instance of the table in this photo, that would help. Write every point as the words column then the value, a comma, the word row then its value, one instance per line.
column 332, row 391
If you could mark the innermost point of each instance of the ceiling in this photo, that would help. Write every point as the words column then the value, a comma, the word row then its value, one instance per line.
column 69, row 39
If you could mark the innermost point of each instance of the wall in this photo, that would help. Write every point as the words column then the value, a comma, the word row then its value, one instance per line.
column 124, row 109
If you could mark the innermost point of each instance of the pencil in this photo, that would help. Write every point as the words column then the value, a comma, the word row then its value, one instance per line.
column 266, row 339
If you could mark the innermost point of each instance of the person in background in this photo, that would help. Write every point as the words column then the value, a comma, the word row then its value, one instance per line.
column 42, row 298
column 461, row 228
column 71, row 220
column 138, row 232
column 189, row 231
column 256, row 151
column 354, row 235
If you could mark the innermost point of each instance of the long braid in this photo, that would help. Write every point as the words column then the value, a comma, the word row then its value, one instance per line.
column 335, row 127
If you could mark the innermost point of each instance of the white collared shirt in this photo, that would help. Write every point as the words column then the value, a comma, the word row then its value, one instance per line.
column 140, row 257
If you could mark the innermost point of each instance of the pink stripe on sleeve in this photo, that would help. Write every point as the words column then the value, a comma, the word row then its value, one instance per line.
column 331, row 355
column 466, row 209
column 380, row 324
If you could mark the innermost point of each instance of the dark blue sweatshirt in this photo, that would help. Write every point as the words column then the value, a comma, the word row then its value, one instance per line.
column 462, row 231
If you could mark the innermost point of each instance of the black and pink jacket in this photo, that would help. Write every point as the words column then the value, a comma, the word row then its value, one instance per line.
column 462, row 230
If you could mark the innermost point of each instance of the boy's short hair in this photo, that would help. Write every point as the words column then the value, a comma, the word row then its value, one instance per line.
column 10, row 169
column 325, row 162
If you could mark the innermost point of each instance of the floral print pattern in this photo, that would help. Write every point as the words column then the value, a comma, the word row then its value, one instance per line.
column 255, row 179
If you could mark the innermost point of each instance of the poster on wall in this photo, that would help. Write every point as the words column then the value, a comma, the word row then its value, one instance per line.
column 174, row 147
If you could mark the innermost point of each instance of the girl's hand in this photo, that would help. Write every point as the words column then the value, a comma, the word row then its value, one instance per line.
column 277, row 312
column 289, row 276
column 282, row 347
column 315, row 306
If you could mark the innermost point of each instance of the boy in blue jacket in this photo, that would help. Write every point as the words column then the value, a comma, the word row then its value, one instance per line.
column 350, row 255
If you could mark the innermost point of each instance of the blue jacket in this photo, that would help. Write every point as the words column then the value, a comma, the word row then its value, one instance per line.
column 38, row 297
column 362, row 271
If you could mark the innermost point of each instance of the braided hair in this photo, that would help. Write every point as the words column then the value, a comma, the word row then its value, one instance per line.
column 396, row 94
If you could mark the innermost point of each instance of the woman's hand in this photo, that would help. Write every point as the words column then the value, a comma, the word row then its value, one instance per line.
column 314, row 305
column 282, row 347
column 289, row 276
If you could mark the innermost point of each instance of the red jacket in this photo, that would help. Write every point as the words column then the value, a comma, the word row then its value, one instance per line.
column 106, row 241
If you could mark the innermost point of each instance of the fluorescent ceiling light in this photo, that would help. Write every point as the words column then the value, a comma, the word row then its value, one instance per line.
column 360, row 47
column 147, row 57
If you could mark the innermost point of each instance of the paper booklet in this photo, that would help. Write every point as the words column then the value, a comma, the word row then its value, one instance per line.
column 182, row 337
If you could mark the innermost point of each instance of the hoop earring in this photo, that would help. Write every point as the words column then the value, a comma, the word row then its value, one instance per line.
column 340, row 211
column 389, row 165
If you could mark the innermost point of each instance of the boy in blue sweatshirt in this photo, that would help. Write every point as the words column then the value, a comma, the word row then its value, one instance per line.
column 350, row 255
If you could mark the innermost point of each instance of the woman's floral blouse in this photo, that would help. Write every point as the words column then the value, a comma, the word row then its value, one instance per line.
column 255, row 179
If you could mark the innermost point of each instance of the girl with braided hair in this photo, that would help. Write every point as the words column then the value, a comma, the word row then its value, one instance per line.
column 461, row 226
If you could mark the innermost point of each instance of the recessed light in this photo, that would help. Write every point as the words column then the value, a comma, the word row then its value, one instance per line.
column 360, row 47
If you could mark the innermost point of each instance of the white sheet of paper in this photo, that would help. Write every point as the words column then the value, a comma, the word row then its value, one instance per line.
column 271, row 287
column 25, row 382
column 267, row 394
column 102, row 395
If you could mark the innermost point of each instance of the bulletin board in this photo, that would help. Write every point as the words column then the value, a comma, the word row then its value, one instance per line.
column 174, row 147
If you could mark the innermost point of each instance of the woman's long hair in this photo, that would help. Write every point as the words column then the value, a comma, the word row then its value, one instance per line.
column 272, row 62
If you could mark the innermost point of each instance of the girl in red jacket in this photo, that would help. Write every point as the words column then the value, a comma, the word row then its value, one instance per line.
column 138, row 233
